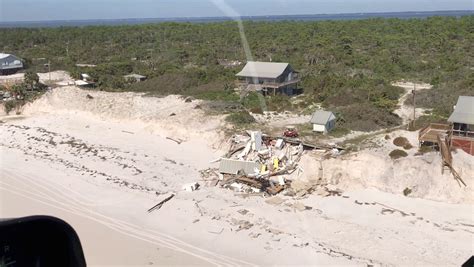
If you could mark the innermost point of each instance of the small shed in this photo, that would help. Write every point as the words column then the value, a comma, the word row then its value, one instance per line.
column 323, row 121
column 135, row 77
column 85, row 77
column 9, row 64
column 81, row 83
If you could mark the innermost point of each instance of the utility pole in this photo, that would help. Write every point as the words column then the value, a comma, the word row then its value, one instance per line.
column 67, row 49
column 414, row 104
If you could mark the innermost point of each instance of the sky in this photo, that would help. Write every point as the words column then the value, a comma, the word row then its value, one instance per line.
column 43, row 10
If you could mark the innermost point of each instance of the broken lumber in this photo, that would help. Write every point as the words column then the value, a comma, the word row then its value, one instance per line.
column 304, row 144
column 160, row 204
column 232, row 152
column 175, row 140
column 217, row 233
column 447, row 158
column 273, row 190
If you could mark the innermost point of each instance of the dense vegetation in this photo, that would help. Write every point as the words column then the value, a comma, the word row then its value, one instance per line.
column 347, row 66
column 23, row 92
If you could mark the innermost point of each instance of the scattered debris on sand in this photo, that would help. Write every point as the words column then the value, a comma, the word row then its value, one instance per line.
column 258, row 164
column 160, row 204
column 177, row 141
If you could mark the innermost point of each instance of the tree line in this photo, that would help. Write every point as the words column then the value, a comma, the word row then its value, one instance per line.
column 347, row 66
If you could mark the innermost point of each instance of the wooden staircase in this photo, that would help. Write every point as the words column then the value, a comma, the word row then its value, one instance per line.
column 447, row 157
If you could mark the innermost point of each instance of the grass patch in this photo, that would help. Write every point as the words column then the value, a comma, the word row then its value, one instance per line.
column 425, row 149
column 407, row 191
column 397, row 153
column 339, row 131
column 240, row 118
column 425, row 120
column 305, row 130
column 217, row 95
column 11, row 105
column 402, row 142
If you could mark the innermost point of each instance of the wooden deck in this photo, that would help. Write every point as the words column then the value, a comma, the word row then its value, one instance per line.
column 268, row 85
column 457, row 139
column 430, row 133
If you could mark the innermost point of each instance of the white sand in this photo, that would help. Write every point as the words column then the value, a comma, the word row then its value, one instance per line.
column 373, row 168
column 105, row 159
column 148, row 113
column 47, row 78
column 281, row 120
column 104, row 243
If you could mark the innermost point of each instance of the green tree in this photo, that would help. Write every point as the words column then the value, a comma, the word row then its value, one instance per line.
column 31, row 79
column 19, row 90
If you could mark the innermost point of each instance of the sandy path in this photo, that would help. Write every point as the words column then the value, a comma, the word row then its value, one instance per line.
column 404, row 111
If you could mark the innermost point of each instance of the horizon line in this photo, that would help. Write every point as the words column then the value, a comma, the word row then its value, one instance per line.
column 229, row 17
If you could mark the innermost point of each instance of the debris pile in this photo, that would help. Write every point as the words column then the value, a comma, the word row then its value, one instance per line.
column 257, row 164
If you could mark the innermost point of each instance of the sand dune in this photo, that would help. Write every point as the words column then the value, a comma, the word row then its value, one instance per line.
column 106, row 160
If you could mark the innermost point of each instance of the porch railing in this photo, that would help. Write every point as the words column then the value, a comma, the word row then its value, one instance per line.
column 269, row 84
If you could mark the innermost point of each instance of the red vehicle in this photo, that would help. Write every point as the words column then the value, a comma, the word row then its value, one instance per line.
column 290, row 132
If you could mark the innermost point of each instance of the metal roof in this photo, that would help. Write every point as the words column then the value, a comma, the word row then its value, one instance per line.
column 322, row 117
column 464, row 110
column 81, row 83
column 231, row 166
column 8, row 61
column 257, row 69
column 136, row 76
column 2, row 56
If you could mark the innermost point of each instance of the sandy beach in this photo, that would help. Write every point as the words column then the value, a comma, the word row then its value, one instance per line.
column 101, row 162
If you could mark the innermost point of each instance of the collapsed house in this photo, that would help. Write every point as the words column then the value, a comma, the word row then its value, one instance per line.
column 260, row 164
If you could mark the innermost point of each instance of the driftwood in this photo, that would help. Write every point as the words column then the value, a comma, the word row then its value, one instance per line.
column 175, row 140
column 217, row 233
column 127, row 132
column 160, row 204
